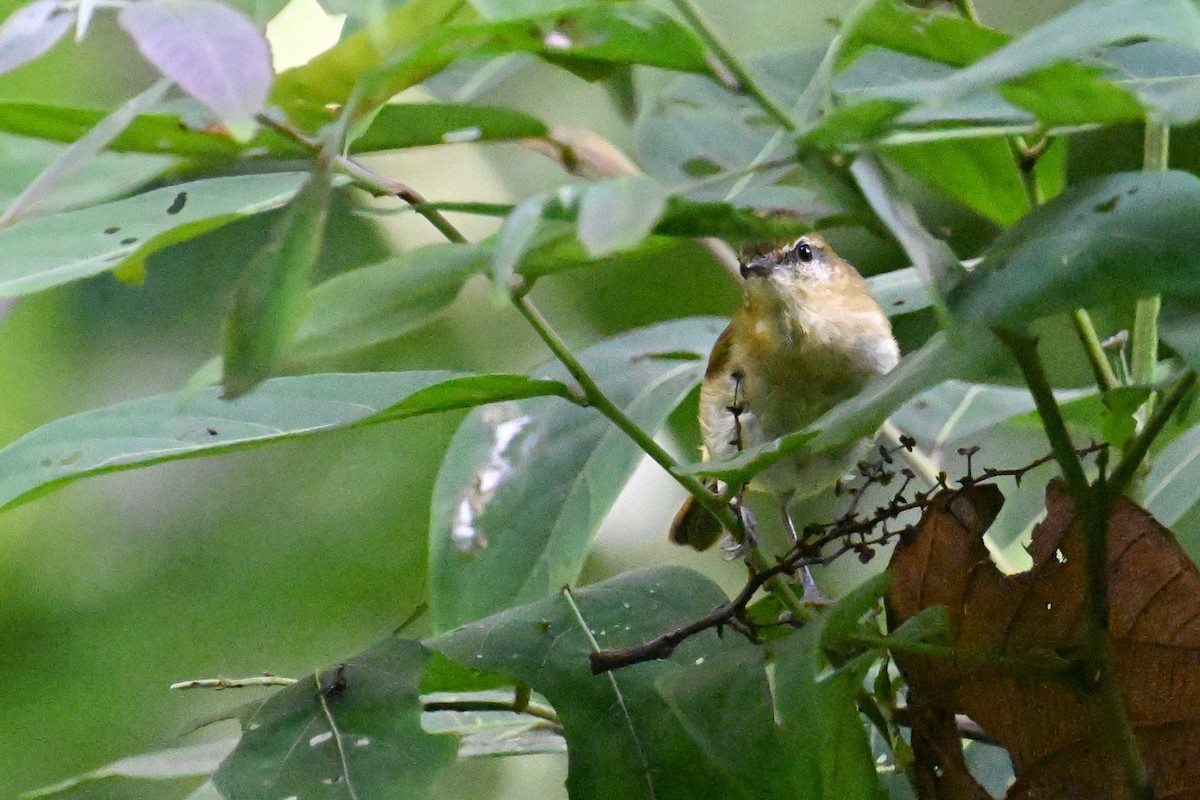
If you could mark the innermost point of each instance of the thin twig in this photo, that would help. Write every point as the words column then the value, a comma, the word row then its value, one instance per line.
column 1125, row 471
column 746, row 82
column 1091, row 509
column 369, row 180
column 532, row 709
column 1102, row 370
column 234, row 683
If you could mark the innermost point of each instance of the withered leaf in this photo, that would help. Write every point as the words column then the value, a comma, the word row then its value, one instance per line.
column 1050, row 724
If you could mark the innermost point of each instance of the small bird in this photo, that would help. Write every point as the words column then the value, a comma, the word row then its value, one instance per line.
column 807, row 336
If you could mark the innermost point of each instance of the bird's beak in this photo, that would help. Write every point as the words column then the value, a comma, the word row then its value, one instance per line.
column 757, row 269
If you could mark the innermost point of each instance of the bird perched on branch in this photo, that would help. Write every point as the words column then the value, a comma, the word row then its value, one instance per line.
column 807, row 336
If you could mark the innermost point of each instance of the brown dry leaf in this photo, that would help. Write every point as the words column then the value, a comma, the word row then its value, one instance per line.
column 1050, row 728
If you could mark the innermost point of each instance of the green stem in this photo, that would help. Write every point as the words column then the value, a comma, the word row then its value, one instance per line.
column 1144, row 347
column 1125, row 471
column 1098, row 360
column 598, row 399
column 372, row 182
column 532, row 709
column 1026, row 158
column 1144, row 353
column 1048, row 666
column 1023, row 346
column 746, row 82
column 1091, row 510
column 967, row 9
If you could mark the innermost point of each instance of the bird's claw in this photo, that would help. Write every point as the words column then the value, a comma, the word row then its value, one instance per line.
column 735, row 549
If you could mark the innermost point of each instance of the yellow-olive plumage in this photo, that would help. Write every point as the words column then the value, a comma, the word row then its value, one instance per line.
column 807, row 336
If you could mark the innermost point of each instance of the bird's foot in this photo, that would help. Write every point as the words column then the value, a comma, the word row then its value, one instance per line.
column 812, row 593
column 735, row 549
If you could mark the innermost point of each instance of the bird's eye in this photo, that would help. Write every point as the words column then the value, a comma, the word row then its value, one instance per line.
column 803, row 251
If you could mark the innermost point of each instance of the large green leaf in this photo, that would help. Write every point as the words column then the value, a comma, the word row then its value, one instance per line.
column 1169, row 491
column 377, row 303
column 174, row 426
column 1123, row 236
column 727, row 699
column 268, row 300
column 396, row 125
column 353, row 731
column 622, row 738
column 980, row 173
column 589, row 40
column 1165, row 77
column 1080, row 31
column 187, row 761
column 817, row 706
column 309, row 91
column 525, row 485
column 50, row 251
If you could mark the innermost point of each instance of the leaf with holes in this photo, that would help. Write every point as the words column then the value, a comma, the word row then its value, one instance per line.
column 170, row 427
column 50, row 251
column 354, row 730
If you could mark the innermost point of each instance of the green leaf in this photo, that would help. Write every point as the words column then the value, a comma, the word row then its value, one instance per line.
column 380, row 302
column 81, row 153
column 618, row 214
column 395, row 126
column 589, row 40
column 901, row 291
column 982, row 174
column 268, row 301
column 1169, row 491
column 821, row 725
column 930, row 624
column 50, row 251
column 937, row 264
column 421, row 124
column 1072, row 94
column 525, row 485
column 352, row 731
column 187, row 761
column 306, row 92
column 947, row 38
column 1122, row 236
column 1165, row 78
column 1084, row 28
column 622, row 738
column 190, row 424
column 727, row 700
column 692, row 128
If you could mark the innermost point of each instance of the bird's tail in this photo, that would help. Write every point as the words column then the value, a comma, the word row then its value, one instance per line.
column 695, row 526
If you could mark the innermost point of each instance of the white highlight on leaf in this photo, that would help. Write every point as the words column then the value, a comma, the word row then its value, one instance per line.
column 507, row 423
column 557, row 40
column 362, row 742
column 472, row 134
column 320, row 739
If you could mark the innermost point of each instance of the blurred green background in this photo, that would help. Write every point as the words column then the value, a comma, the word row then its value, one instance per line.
column 288, row 558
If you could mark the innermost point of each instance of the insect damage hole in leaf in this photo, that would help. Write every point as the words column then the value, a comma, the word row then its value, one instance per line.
column 1036, row 621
